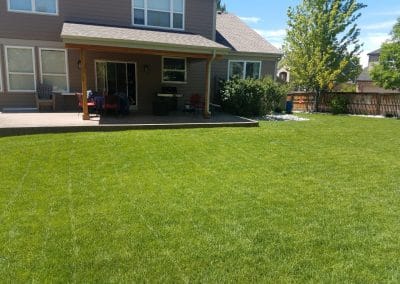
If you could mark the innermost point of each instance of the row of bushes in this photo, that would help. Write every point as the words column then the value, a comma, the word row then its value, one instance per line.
column 252, row 97
column 258, row 97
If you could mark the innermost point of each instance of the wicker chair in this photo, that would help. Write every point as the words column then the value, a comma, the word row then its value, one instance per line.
column 45, row 97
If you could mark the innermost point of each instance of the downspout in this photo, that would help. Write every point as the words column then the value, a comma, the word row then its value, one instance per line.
column 207, row 113
column 277, row 60
column 276, row 69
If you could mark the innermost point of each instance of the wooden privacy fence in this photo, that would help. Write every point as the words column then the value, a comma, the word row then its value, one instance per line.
column 357, row 103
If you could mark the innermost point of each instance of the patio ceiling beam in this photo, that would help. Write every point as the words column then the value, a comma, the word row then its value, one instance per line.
column 116, row 49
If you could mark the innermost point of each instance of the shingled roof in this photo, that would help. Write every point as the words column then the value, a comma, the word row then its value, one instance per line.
column 375, row 52
column 234, row 33
column 138, row 38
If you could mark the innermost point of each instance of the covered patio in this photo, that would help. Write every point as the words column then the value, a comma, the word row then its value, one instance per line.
column 147, row 50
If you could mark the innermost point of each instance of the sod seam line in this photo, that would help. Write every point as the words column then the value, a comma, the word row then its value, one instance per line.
column 149, row 227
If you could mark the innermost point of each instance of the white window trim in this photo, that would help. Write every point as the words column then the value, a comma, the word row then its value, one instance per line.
column 123, row 62
column 173, row 70
column 20, row 73
column 1, row 77
column 171, row 15
column 33, row 4
column 50, row 74
column 245, row 67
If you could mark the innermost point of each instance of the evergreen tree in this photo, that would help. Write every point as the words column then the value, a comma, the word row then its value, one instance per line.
column 221, row 7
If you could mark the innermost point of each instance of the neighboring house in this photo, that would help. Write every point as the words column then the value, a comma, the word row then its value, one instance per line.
column 364, row 82
column 284, row 75
column 134, row 47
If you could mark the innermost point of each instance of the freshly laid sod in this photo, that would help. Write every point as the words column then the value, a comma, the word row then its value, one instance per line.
column 287, row 202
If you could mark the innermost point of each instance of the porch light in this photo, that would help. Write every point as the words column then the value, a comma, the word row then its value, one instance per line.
column 79, row 64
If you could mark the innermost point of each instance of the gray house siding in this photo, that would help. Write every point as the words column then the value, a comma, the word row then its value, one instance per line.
column 16, row 99
column 220, row 70
column 198, row 18
column 33, row 30
column 148, row 83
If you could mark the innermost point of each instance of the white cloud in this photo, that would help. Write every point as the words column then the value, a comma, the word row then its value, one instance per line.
column 272, row 33
column 394, row 12
column 379, row 26
column 251, row 20
column 364, row 58
column 372, row 41
column 275, row 37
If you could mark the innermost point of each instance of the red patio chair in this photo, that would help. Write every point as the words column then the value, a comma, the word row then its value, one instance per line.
column 196, row 103
column 91, row 104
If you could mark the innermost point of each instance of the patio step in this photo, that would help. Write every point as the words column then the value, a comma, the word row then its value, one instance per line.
column 19, row 109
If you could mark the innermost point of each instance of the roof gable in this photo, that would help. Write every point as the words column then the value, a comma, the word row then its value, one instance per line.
column 235, row 34
column 375, row 52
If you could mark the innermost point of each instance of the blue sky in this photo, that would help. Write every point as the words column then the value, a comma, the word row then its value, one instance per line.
column 269, row 19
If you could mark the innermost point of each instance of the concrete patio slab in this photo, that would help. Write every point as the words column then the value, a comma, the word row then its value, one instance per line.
column 36, row 123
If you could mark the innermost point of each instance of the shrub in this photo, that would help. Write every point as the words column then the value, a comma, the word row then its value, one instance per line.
column 251, row 97
column 339, row 104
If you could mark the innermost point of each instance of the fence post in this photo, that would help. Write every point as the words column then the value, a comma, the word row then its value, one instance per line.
column 378, row 104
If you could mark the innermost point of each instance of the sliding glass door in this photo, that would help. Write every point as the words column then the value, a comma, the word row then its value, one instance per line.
column 117, row 78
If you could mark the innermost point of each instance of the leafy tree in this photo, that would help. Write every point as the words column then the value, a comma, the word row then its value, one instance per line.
column 221, row 7
column 386, row 73
column 321, row 47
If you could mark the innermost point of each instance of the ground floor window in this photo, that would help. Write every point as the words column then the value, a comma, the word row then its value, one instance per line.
column 244, row 69
column 117, row 78
column 20, row 65
column 1, row 78
column 173, row 70
column 53, row 66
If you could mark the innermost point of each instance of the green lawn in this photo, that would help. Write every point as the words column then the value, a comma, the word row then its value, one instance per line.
column 311, row 201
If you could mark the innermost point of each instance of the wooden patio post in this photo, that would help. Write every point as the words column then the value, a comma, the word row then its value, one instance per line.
column 207, row 113
column 85, row 108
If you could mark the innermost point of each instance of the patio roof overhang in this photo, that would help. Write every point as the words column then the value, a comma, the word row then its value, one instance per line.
column 144, row 41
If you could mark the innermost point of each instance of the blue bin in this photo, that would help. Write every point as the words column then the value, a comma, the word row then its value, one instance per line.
column 289, row 107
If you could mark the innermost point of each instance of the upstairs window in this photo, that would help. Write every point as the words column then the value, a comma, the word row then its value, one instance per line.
column 244, row 69
column 168, row 14
column 49, row 7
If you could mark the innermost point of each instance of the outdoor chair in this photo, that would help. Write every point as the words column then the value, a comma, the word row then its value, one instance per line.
column 44, row 97
column 91, row 105
column 195, row 104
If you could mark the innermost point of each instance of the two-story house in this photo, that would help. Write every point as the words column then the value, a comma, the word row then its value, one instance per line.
column 364, row 82
column 127, row 46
